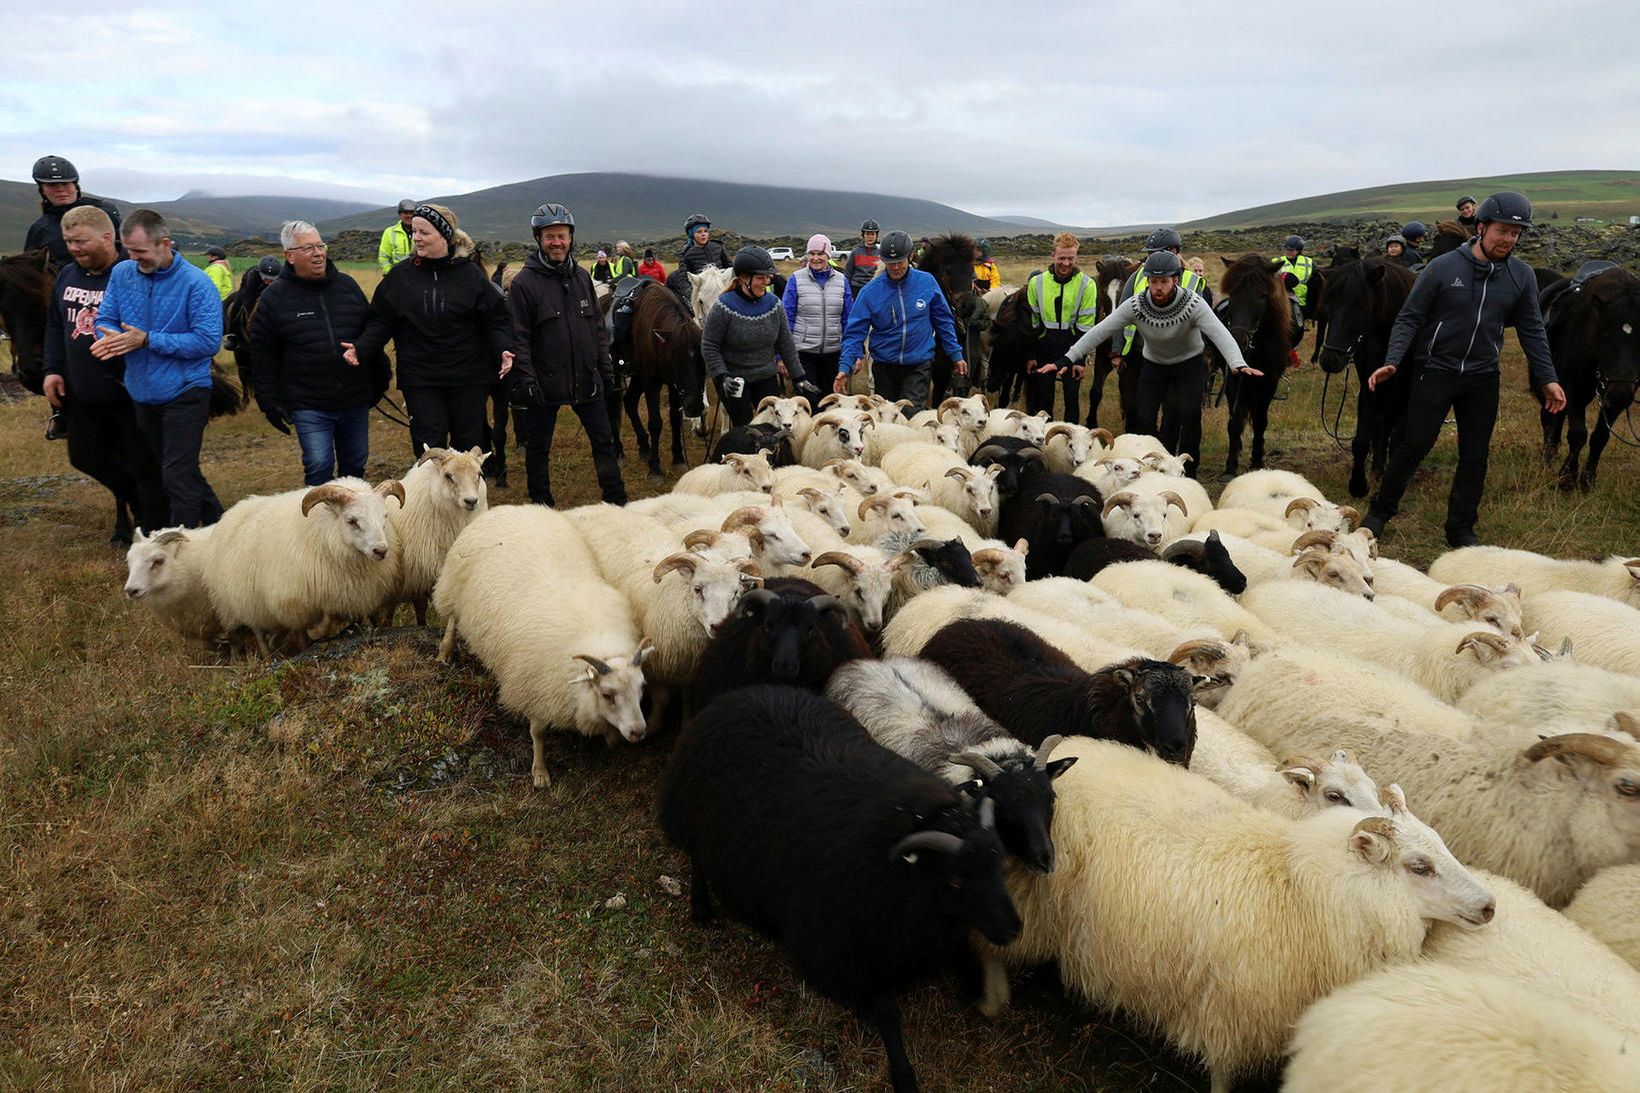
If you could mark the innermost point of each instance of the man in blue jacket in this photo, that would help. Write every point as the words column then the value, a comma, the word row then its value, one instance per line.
column 162, row 314
column 900, row 312
column 1453, row 319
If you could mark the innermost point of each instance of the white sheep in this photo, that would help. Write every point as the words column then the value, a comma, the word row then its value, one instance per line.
column 735, row 471
column 883, row 440
column 1605, row 907
column 1495, row 608
column 1339, row 572
column 1604, row 631
column 888, row 514
column 859, row 477
column 914, row 464
column 1295, row 788
column 774, row 537
column 836, row 435
column 1143, row 517
column 1549, row 814
column 970, row 493
column 1068, row 446
column 529, row 617
column 1174, row 466
column 1359, row 545
column 884, row 412
column 795, row 415
column 948, row 434
column 304, row 562
column 1616, row 578
column 1108, row 474
column 443, row 493
column 849, row 404
column 1192, row 492
column 1424, row 1026
column 1267, row 491
column 1136, row 446
column 1214, row 921
column 1554, row 696
column 1000, row 567
column 1185, row 596
column 1309, row 514
column 1017, row 423
column 966, row 413
column 166, row 571
column 863, row 577
column 833, row 503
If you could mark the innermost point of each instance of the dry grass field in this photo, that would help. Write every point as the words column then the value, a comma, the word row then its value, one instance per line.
column 332, row 873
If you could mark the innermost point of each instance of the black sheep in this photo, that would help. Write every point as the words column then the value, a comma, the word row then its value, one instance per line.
column 1035, row 691
column 1208, row 558
column 1013, row 454
column 773, row 440
column 1053, row 513
column 871, row 872
column 788, row 631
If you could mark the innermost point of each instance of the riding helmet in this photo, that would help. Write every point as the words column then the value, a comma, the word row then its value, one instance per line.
column 699, row 220
column 216, row 252
column 1466, row 199
column 549, row 215
column 870, row 226
column 1413, row 231
column 1506, row 207
column 54, row 169
column 750, row 260
column 1162, row 239
column 1293, row 242
column 896, row 247
column 1388, row 239
column 269, row 268
column 1163, row 263
column 407, row 205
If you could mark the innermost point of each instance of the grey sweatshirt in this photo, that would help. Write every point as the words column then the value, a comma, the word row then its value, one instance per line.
column 1176, row 337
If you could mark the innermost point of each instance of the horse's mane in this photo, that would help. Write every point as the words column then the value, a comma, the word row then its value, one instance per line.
column 32, row 272
column 666, row 305
column 1452, row 227
column 1253, row 273
column 1351, row 279
column 950, row 259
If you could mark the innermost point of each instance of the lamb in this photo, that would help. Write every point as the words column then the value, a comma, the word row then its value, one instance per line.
column 443, row 493
column 166, row 571
column 788, row 631
column 734, row 472
column 1035, row 690
column 528, row 613
column 915, row 710
column 1615, row 578
column 1605, row 905
column 869, row 871
column 836, row 436
column 1554, row 696
column 304, row 562
column 1502, row 804
column 1423, row 1026
column 1109, row 475
column 1141, row 518
column 1295, row 788
column 1067, row 446
column 1166, row 883
column 1606, row 632
column 888, row 514
column 1187, row 598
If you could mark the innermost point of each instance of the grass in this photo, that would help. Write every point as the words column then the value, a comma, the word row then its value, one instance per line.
column 333, row 873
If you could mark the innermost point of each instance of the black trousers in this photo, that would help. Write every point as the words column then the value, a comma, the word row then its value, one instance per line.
column 1176, row 391
column 495, row 427
column 543, row 422
column 741, row 410
column 1040, row 393
column 1473, row 401
column 105, row 443
column 175, row 431
column 820, row 368
column 447, row 417
column 903, row 381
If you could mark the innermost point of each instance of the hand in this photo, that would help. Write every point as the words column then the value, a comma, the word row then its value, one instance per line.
column 55, row 391
column 960, row 368
column 1116, row 361
column 349, row 354
column 1251, row 371
column 276, row 417
column 506, row 363
column 1554, row 398
column 780, row 367
column 840, row 384
column 1078, row 371
column 1030, row 367
column 1383, row 376
column 113, row 344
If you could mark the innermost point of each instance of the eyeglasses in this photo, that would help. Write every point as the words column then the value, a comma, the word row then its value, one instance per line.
column 310, row 248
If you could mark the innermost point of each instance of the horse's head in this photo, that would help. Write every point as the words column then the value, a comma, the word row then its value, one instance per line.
column 950, row 260
column 1614, row 335
column 1252, row 302
column 25, row 290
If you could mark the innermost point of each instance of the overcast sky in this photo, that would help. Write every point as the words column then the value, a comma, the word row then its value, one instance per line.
column 1082, row 113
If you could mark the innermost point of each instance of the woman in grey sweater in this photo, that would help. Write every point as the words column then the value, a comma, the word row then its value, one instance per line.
column 1172, row 320
column 743, row 334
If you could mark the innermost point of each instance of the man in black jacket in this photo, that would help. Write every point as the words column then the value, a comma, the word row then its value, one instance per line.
column 1453, row 319
column 299, row 373
column 103, row 439
column 562, row 355
column 59, row 186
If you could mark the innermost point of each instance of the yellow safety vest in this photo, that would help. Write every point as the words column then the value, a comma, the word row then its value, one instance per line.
column 395, row 247
column 1300, row 267
column 622, row 266
column 1044, row 290
column 222, row 277
column 1189, row 279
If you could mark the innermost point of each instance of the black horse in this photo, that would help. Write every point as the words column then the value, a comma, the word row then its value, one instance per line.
column 1110, row 274
column 25, row 295
column 1339, row 255
column 1594, row 338
column 237, row 312
column 950, row 260
column 1360, row 303
column 1253, row 304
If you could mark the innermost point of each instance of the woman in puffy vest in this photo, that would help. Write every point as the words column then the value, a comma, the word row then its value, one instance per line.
column 817, row 299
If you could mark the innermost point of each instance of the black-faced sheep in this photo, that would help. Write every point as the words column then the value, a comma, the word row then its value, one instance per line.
column 1053, row 513
column 1013, row 455
column 788, row 631
column 1206, row 556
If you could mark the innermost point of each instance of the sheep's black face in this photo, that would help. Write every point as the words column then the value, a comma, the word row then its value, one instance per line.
column 1215, row 562
column 974, row 891
column 954, row 563
column 1165, row 707
column 1024, row 800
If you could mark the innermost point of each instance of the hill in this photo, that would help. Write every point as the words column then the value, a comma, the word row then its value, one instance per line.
column 1562, row 195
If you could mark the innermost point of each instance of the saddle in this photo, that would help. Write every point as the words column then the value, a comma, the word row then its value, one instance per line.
column 1558, row 297
column 622, row 300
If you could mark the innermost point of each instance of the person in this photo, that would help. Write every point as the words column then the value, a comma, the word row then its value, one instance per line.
column 899, row 314
column 1455, row 315
column 1063, row 302
column 1294, row 261
column 396, row 244
column 1172, row 321
column 601, row 271
column 1466, row 212
column 448, row 324
column 623, row 264
column 59, row 186
column 701, row 250
column 650, row 267
column 563, row 355
column 863, row 261
column 104, row 441
column 817, row 301
column 986, row 274
column 746, row 342
column 162, row 314
column 218, row 270
column 1395, row 247
column 1167, row 239
column 1414, row 233
column 301, row 378
column 1195, row 265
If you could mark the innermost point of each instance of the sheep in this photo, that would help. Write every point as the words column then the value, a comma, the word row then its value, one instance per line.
column 1136, row 446
column 1447, row 658
column 914, row 709
column 929, row 563
column 1605, row 907
column 969, row 492
column 1140, row 518
column 914, row 464
column 1359, row 545
column 1338, row 572
column 1001, row 568
column 1209, row 557
column 795, row 415
column 1267, row 491
column 1192, row 492
column 1173, row 466
column 1217, row 922
column 303, row 562
column 834, row 503
column 1606, row 632
column 528, row 615
column 1423, row 1026
column 772, row 441
column 1016, row 423
column 735, row 472
column 868, row 870
column 1310, row 514
column 863, row 578
column 967, row 413
column 884, row 412
column 443, row 493
column 166, row 571
column 1035, row 690
column 1501, row 803
column 1186, row 597
column 1615, row 578
column 885, row 439
column 1052, row 512
column 888, row 513
column 864, row 480
column 914, row 625
column 1244, row 768
column 1066, row 446
column 775, row 541
column 1554, row 695
column 836, row 436
column 1109, row 475
column 1012, row 455
column 788, row 631
column 1495, row 608
column 1242, row 523
column 847, row 404
column 948, row 434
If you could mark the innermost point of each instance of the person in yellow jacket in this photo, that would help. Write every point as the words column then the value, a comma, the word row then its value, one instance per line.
column 624, row 264
column 218, row 270
column 1294, row 261
column 986, row 274
column 1064, row 304
column 395, row 245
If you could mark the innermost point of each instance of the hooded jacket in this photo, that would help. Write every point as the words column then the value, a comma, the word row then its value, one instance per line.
column 47, row 231
column 901, row 318
column 296, row 350
column 181, row 313
column 560, row 341
column 1453, row 318
column 447, row 322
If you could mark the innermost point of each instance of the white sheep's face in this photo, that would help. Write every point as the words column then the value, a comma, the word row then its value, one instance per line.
column 971, row 412
column 461, row 481
column 781, row 543
column 786, row 412
column 855, row 474
column 617, row 692
column 1338, row 571
column 752, row 472
column 979, row 493
column 1078, row 441
column 363, row 524
column 867, row 595
column 899, row 516
column 1034, row 429
column 714, row 590
column 1322, row 517
column 151, row 563
column 830, row 508
column 947, row 434
column 1117, row 473
column 1336, row 782
column 1442, row 889
column 1142, row 520
column 1001, row 573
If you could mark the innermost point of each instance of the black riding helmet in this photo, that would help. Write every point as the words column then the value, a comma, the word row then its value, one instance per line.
column 216, row 252
column 870, row 226
column 55, row 169
column 1163, row 263
column 1466, row 199
column 699, row 220
column 1162, row 239
column 1505, row 207
column 1413, row 231
column 1293, row 242
column 1388, row 239
column 269, row 267
column 751, row 260
column 896, row 247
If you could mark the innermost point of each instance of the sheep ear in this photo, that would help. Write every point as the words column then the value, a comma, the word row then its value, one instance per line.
column 1373, row 839
column 1059, row 766
column 970, row 788
column 1302, row 777
column 1125, row 677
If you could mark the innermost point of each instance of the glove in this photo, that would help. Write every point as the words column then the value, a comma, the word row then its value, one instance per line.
column 694, row 404
column 527, row 393
column 276, row 417
column 804, row 387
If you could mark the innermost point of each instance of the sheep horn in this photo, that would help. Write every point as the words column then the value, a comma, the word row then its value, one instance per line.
column 1048, row 497
column 876, row 500
column 807, row 409
column 329, row 493
column 1183, row 548
column 1461, row 593
column 989, row 451
column 1313, row 539
column 981, row 762
column 1350, row 513
column 1176, row 501
column 834, row 420
column 825, row 604
column 702, row 537
column 1084, row 499
column 1103, row 436
column 1059, row 428
column 1031, row 453
column 1045, row 749
column 432, row 453
column 838, row 558
column 812, row 494
column 988, row 556
column 1601, row 749
column 1300, row 504
column 169, row 536
column 830, row 400
column 941, row 841
column 768, row 401
column 597, row 665
column 912, row 493
column 960, row 473
column 1014, row 415
column 749, row 567
column 1198, row 647
column 1121, row 500
column 1626, row 722
column 391, row 487
column 680, row 560
column 1492, row 641
column 1392, row 798
column 750, row 516
column 758, row 598
column 939, row 415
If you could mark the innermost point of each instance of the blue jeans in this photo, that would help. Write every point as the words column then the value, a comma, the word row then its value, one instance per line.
column 335, row 443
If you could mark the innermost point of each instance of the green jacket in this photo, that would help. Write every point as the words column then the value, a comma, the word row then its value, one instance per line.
column 622, row 266
column 395, row 248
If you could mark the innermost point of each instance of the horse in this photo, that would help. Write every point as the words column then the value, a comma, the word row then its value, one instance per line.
column 1110, row 274
column 949, row 259
column 1253, row 303
column 1449, row 236
column 26, row 280
column 1596, row 349
column 1360, row 303
column 1339, row 255
column 1013, row 342
column 704, row 289
column 665, row 353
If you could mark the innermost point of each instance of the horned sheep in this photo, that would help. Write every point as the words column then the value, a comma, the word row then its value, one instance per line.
column 1605, row 632
column 1295, row 788
column 734, row 471
column 1186, row 597
column 443, row 493
column 1616, row 578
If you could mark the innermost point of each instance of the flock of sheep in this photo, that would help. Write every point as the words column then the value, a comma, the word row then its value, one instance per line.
column 968, row 689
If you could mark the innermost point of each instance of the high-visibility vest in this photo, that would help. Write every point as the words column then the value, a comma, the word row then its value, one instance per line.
column 622, row 266
column 1189, row 279
column 1044, row 289
column 1300, row 267
column 394, row 248
column 221, row 276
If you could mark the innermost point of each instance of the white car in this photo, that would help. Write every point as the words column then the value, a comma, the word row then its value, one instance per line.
column 838, row 254
column 781, row 254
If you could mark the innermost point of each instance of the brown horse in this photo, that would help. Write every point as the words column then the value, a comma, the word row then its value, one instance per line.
column 237, row 312
column 1110, row 274
column 1253, row 303
column 25, row 297
column 665, row 353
